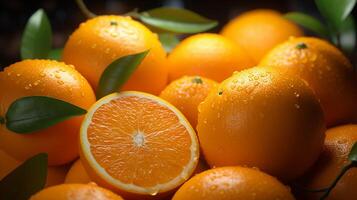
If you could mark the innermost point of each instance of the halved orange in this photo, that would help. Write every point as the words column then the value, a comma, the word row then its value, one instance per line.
column 137, row 144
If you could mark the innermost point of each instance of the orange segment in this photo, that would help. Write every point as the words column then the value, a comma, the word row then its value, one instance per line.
column 138, row 143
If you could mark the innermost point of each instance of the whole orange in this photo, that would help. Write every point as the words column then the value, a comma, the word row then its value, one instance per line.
column 77, row 174
column 231, row 183
column 101, row 40
column 186, row 93
column 338, row 143
column 208, row 55
column 262, row 118
column 258, row 31
column 75, row 192
column 44, row 78
column 325, row 69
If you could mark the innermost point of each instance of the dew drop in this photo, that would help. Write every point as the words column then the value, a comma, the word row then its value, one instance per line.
column 18, row 75
column 57, row 76
column 297, row 106
column 42, row 74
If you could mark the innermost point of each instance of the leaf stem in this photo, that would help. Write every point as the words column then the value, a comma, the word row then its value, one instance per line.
column 82, row 6
column 340, row 175
column 134, row 13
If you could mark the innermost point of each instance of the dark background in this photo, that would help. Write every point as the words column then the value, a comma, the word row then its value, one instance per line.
column 65, row 16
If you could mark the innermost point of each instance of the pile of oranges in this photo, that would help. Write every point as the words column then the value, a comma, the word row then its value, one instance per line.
column 244, row 114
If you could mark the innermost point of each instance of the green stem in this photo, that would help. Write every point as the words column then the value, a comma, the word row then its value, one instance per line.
column 134, row 13
column 334, row 183
column 82, row 6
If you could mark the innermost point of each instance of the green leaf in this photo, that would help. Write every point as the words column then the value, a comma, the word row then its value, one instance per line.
column 118, row 72
column 335, row 11
column 348, row 35
column 352, row 156
column 308, row 22
column 29, row 114
column 37, row 37
column 55, row 54
column 169, row 41
column 176, row 20
column 25, row 180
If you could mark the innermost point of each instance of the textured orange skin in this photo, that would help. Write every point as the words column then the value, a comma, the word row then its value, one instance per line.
column 262, row 118
column 55, row 175
column 338, row 143
column 44, row 78
column 208, row 55
column 97, row 43
column 325, row 69
column 260, row 30
column 75, row 192
column 185, row 94
column 233, row 183
column 77, row 174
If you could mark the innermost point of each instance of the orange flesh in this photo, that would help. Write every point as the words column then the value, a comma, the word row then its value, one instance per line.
column 139, row 141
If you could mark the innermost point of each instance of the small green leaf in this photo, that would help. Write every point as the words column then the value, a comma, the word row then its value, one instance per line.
column 308, row 22
column 29, row 114
column 169, row 41
column 37, row 37
column 55, row 54
column 118, row 72
column 176, row 20
column 335, row 11
column 25, row 180
column 353, row 153
column 348, row 35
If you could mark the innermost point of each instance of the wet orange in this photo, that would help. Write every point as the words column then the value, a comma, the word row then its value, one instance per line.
column 137, row 145
column 325, row 69
column 187, row 93
column 262, row 118
column 75, row 192
column 101, row 40
column 338, row 143
column 231, row 183
column 258, row 31
column 208, row 55
column 44, row 78
column 77, row 174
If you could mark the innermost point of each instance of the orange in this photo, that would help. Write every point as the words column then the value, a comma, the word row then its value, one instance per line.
column 186, row 93
column 138, row 145
column 338, row 143
column 209, row 55
column 44, row 78
column 77, row 174
column 262, row 118
column 7, row 164
column 55, row 175
column 325, row 69
column 258, row 31
column 75, row 192
column 101, row 40
column 231, row 183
